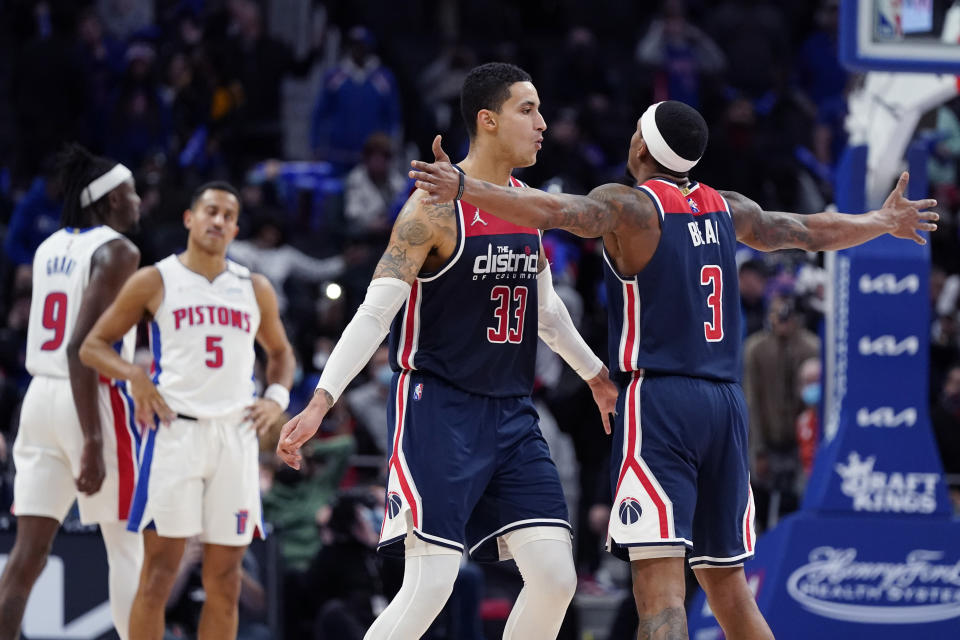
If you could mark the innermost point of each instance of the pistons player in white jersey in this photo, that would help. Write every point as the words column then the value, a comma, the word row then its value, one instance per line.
column 680, row 472
column 77, row 439
column 469, row 469
column 199, row 472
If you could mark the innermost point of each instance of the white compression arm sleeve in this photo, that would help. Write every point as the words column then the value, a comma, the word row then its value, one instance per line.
column 556, row 329
column 363, row 334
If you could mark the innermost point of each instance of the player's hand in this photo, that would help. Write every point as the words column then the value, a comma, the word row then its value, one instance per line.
column 149, row 404
column 440, row 179
column 605, row 395
column 907, row 216
column 92, row 468
column 302, row 427
column 262, row 415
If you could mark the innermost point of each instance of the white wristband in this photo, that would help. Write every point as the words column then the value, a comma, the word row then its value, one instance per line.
column 279, row 394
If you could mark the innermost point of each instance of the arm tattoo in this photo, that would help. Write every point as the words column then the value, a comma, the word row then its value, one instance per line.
column 669, row 624
column 603, row 210
column 394, row 264
column 766, row 230
column 413, row 232
column 585, row 217
column 781, row 231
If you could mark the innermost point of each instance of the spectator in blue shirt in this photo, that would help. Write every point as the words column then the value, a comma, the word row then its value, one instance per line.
column 35, row 217
column 358, row 97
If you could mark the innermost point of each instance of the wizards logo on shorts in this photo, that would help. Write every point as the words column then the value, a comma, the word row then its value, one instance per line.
column 242, row 517
column 630, row 511
column 418, row 391
column 394, row 504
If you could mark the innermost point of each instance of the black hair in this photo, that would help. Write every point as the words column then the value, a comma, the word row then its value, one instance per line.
column 487, row 87
column 76, row 168
column 683, row 129
column 216, row 185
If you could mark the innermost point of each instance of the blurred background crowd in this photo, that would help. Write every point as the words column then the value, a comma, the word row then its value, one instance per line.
column 314, row 108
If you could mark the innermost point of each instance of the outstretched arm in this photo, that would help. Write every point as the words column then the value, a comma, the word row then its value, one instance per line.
column 588, row 216
column 827, row 231
column 419, row 230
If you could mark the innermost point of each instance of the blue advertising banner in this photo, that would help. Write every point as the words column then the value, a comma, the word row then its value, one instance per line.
column 825, row 576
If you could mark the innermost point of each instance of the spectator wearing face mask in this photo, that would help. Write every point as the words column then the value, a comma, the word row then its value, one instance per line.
column 808, row 422
column 772, row 360
column 366, row 403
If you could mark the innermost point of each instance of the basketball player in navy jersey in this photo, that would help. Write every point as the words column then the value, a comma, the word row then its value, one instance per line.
column 469, row 469
column 680, row 471
column 76, row 439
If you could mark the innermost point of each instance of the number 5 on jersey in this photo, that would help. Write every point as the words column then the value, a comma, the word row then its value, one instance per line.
column 215, row 361
column 711, row 274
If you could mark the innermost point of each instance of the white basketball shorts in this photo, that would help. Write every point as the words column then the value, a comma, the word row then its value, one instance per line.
column 200, row 477
column 48, row 447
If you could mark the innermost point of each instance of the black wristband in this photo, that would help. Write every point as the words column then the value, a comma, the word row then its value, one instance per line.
column 460, row 190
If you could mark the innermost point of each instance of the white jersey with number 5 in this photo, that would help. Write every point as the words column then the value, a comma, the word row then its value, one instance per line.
column 202, row 337
column 61, row 273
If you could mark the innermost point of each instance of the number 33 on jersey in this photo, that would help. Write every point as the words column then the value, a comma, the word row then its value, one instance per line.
column 474, row 322
column 674, row 320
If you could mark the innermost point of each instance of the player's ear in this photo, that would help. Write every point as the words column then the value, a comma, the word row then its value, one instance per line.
column 643, row 153
column 486, row 120
column 187, row 218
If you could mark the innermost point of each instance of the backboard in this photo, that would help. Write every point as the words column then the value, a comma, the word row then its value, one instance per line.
column 900, row 35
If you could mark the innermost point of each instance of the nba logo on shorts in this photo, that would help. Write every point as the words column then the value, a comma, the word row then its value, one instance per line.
column 394, row 503
column 418, row 391
column 693, row 205
column 242, row 516
column 630, row 511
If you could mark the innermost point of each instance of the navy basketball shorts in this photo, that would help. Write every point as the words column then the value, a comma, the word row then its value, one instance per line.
column 465, row 469
column 680, row 472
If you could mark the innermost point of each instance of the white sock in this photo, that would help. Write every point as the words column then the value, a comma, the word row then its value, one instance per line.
column 549, row 582
column 427, row 582
column 125, row 557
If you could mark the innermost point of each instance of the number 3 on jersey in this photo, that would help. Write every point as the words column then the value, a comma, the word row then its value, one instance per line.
column 503, row 331
column 711, row 274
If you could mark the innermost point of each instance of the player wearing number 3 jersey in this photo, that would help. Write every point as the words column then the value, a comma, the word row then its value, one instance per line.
column 469, row 469
column 680, row 472
column 199, row 473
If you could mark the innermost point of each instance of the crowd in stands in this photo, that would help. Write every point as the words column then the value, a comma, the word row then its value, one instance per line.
column 313, row 108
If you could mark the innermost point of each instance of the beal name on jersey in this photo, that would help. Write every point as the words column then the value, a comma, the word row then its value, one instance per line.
column 710, row 234
column 211, row 314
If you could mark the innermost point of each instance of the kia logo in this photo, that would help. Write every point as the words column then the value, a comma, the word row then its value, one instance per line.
column 887, row 283
column 888, row 346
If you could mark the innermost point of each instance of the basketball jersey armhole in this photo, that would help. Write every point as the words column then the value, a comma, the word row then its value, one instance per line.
column 452, row 260
column 163, row 283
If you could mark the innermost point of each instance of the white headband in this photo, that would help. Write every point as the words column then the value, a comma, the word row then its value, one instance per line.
column 658, row 147
column 104, row 184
